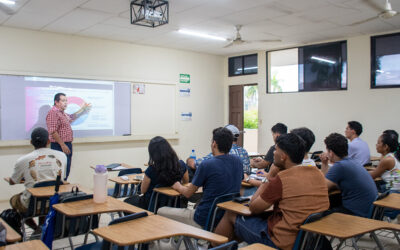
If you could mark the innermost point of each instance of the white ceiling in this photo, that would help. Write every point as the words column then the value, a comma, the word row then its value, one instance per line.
column 293, row 21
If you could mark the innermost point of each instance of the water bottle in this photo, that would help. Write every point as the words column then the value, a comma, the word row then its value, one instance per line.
column 193, row 155
column 100, row 184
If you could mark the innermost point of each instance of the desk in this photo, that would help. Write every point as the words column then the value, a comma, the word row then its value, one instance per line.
column 33, row 244
column 246, row 184
column 255, row 155
column 375, row 158
column 88, row 207
column 238, row 208
column 391, row 201
column 169, row 191
column 12, row 236
column 344, row 226
column 132, row 179
column 49, row 191
column 151, row 228
column 257, row 246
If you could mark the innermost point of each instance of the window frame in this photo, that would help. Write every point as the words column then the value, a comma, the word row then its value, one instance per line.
column 373, row 65
column 298, row 47
column 243, row 66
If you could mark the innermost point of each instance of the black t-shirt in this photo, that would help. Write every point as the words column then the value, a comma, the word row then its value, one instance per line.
column 270, row 155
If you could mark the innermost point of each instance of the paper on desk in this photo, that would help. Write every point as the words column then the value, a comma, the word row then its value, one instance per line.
column 254, row 176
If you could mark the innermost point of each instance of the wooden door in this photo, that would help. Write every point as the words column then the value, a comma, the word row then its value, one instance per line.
column 236, row 109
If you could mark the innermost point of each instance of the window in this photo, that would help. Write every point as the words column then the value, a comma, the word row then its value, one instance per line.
column 385, row 61
column 243, row 65
column 309, row 68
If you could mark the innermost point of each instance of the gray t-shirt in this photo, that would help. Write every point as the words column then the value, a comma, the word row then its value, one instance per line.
column 359, row 151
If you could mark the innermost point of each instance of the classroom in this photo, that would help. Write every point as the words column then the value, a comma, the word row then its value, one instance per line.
column 95, row 40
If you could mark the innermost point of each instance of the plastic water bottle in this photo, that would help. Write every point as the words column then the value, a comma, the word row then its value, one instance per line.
column 193, row 155
column 100, row 184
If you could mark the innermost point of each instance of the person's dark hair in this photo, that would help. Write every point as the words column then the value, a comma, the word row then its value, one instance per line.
column 338, row 144
column 165, row 161
column 279, row 128
column 224, row 138
column 293, row 146
column 356, row 126
column 391, row 140
column 391, row 131
column 57, row 97
column 307, row 135
column 39, row 138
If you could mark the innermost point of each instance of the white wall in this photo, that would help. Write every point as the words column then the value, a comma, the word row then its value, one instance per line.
column 328, row 111
column 49, row 54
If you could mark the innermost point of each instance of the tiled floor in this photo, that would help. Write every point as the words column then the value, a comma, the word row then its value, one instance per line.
column 365, row 242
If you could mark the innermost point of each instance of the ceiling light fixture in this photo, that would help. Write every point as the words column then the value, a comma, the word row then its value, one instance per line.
column 322, row 60
column 194, row 33
column 8, row 2
column 149, row 13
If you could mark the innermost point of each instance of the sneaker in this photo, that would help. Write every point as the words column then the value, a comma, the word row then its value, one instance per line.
column 37, row 234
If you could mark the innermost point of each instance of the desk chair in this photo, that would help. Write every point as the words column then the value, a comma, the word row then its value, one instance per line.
column 125, row 188
column 105, row 244
column 38, row 206
column 72, row 226
column 231, row 245
column 212, row 213
column 307, row 241
column 160, row 200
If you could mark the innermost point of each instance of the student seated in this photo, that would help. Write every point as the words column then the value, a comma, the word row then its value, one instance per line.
column 235, row 150
column 221, row 174
column 357, row 187
column 164, row 170
column 308, row 136
column 43, row 164
column 276, row 130
column 296, row 192
column 358, row 149
column 389, row 165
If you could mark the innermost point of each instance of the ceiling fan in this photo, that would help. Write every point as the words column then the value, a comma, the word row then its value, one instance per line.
column 384, row 13
column 238, row 39
column 5, row 6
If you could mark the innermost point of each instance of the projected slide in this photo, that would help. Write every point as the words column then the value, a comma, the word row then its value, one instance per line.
column 26, row 100
column 101, row 116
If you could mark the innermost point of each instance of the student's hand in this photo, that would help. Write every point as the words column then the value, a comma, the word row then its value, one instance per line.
column 176, row 185
column 245, row 176
column 191, row 163
column 324, row 158
column 258, row 159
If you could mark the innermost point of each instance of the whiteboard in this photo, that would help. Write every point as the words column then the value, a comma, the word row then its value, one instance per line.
column 154, row 112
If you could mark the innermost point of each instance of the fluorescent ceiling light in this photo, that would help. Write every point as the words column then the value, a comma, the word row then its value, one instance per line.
column 193, row 33
column 8, row 2
column 64, row 80
column 323, row 60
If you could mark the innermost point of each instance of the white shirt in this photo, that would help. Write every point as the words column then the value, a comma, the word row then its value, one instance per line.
column 308, row 162
column 359, row 151
column 40, row 165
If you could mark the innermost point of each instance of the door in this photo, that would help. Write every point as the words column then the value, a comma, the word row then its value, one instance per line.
column 236, row 109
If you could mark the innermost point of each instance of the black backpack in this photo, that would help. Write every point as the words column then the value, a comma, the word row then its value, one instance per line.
column 12, row 218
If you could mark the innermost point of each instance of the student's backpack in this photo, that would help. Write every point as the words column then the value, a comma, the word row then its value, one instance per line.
column 12, row 218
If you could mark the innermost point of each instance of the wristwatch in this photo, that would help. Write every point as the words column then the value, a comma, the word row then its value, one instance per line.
column 264, row 180
column 247, row 179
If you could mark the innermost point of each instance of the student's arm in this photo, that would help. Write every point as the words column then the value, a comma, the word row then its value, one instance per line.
column 273, row 171
column 257, row 204
column 185, row 178
column 253, row 182
column 385, row 164
column 259, row 163
column 324, row 163
column 186, row 191
column 9, row 180
column 144, row 186
column 331, row 185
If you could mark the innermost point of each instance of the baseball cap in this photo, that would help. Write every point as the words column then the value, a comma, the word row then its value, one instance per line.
column 235, row 131
column 39, row 136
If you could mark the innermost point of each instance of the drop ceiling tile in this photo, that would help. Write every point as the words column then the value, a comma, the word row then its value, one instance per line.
column 30, row 20
column 108, row 6
column 77, row 21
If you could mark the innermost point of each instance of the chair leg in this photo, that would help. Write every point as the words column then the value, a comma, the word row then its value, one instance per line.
column 23, row 229
column 340, row 244
column 353, row 240
column 378, row 242
column 70, row 242
column 397, row 236
column 188, row 243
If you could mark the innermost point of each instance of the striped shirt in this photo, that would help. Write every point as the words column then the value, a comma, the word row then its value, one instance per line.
column 58, row 121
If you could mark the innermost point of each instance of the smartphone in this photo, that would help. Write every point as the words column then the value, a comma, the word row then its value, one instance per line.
column 241, row 199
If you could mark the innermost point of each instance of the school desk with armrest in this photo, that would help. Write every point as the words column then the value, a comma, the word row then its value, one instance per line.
column 11, row 236
column 344, row 226
column 153, row 228
column 391, row 201
column 33, row 244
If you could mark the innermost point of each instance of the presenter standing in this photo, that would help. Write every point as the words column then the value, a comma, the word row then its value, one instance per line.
column 59, row 126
